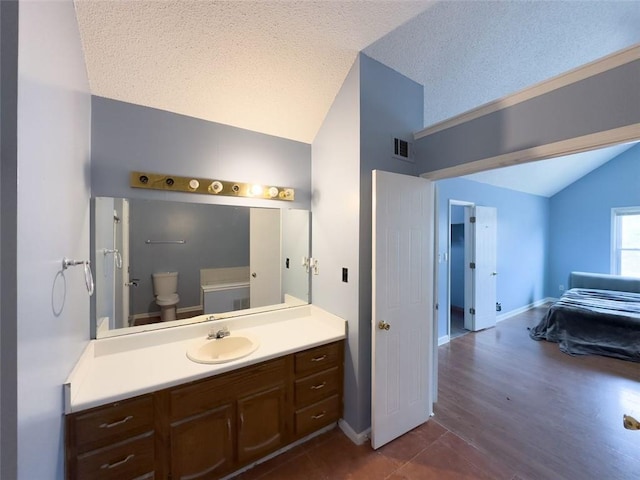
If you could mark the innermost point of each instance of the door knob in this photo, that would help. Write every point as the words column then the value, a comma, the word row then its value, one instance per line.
column 133, row 283
column 254, row 274
column 382, row 325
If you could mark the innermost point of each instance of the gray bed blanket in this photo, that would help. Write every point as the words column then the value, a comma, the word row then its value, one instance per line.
column 589, row 321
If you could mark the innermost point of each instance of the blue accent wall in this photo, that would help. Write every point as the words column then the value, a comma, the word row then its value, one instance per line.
column 580, row 218
column 456, row 260
column 216, row 236
column 595, row 104
column 126, row 137
column 523, row 228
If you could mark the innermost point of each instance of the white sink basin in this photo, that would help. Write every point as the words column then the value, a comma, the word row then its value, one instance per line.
column 222, row 350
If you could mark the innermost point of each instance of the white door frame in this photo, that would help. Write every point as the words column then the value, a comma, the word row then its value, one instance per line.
column 452, row 203
column 125, row 270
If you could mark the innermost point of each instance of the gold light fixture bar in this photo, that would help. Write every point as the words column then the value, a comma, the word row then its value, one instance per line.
column 208, row 186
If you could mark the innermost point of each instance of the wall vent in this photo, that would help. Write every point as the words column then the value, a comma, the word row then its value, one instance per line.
column 241, row 303
column 402, row 149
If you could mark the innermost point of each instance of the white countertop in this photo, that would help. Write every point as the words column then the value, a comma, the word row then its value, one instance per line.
column 117, row 368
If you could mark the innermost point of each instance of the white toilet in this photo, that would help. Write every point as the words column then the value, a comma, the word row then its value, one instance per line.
column 165, row 288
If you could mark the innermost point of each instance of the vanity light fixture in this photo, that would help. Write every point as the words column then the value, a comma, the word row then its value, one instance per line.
column 256, row 190
column 208, row 186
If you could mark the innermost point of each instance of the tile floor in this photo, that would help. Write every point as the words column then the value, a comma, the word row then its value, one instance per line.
column 427, row 452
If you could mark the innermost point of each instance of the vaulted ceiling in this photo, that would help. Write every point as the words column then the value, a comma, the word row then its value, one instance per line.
column 275, row 66
column 269, row 66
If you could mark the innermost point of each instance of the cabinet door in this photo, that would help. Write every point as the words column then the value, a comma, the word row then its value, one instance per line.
column 202, row 446
column 261, row 425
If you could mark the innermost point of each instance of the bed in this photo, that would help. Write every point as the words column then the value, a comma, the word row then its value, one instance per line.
column 598, row 315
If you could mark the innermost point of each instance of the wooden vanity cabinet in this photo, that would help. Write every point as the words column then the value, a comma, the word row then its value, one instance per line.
column 202, row 445
column 220, row 423
column 317, row 388
column 208, row 428
column 114, row 441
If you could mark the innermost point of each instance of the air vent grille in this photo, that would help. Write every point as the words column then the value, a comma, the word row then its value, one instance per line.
column 402, row 149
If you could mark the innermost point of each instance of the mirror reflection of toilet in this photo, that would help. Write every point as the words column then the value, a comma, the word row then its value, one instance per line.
column 165, row 288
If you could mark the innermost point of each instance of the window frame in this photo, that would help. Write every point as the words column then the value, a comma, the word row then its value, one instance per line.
column 616, row 249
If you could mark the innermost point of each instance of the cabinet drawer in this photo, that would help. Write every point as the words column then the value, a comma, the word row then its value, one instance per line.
column 111, row 421
column 317, row 358
column 317, row 415
column 130, row 459
column 317, row 386
column 201, row 396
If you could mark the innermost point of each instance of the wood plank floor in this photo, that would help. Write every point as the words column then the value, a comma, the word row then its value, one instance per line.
column 541, row 412
column 509, row 408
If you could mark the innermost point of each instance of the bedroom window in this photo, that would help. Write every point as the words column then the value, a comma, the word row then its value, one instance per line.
column 625, row 251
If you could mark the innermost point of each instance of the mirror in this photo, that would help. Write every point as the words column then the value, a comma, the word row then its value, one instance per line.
column 212, row 259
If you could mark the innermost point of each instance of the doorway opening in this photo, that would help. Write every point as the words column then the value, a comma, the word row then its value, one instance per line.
column 459, row 285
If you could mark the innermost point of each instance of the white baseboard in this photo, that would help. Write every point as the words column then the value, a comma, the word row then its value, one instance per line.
column 518, row 311
column 179, row 311
column 443, row 339
column 357, row 438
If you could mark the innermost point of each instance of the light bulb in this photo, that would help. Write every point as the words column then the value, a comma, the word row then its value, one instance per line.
column 215, row 187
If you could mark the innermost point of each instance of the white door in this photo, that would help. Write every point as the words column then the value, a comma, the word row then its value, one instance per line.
column 264, row 257
column 402, row 304
column 484, row 274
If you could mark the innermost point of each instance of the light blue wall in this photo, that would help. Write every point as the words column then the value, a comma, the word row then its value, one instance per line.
column 374, row 104
column 335, row 230
column 128, row 137
column 522, row 241
column 599, row 103
column 54, row 149
column 390, row 105
column 580, row 218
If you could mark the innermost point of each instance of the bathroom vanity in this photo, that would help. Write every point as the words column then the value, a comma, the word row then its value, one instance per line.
column 137, row 407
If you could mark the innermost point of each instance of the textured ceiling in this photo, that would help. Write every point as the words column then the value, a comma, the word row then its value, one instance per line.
column 275, row 66
column 470, row 53
column 269, row 66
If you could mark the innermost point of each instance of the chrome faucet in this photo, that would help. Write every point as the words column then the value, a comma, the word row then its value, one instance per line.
column 223, row 332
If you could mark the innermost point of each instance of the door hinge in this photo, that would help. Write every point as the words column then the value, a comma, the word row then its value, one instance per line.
column 472, row 219
column 472, row 265
column 472, row 311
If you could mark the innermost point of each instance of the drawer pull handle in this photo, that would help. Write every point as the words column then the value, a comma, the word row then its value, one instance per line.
column 319, row 359
column 119, row 422
column 319, row 415
column 319, row 386
column 107, row 466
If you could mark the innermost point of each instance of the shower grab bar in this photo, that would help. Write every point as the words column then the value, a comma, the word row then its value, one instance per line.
column 88, row 275
column 173, row 242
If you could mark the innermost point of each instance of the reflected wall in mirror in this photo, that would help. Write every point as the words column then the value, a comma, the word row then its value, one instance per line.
column 227, row 259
